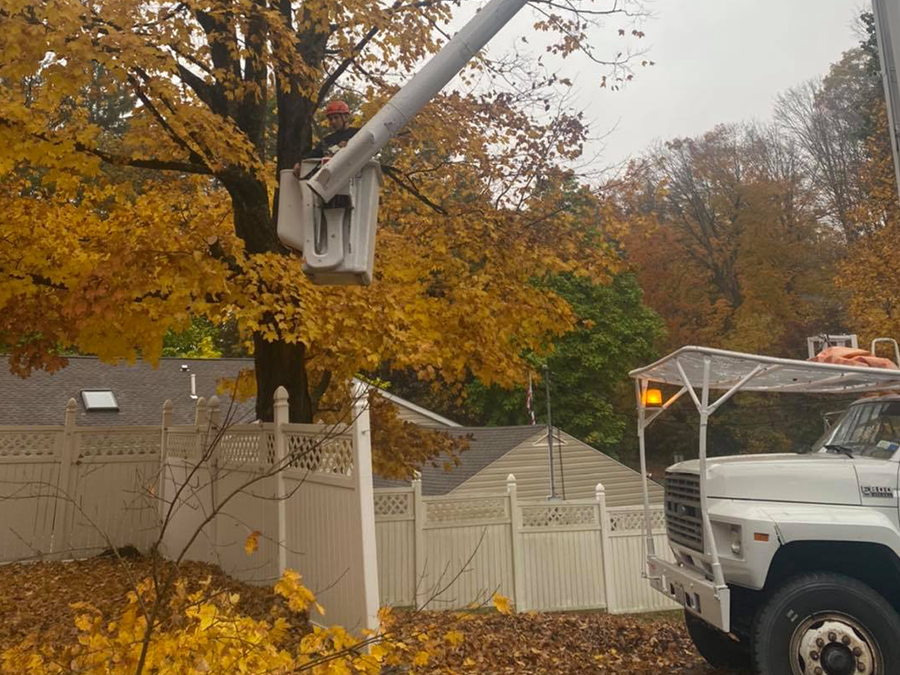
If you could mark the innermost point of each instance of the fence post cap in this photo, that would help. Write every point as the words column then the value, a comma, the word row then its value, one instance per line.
column 281, row 394
column 511, row 479
column 71, row 405
column 600, row 489
column 167, row 405
column 214, row 402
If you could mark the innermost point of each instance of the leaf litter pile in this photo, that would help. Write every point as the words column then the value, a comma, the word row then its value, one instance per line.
column 35, row 599
column 573, row 643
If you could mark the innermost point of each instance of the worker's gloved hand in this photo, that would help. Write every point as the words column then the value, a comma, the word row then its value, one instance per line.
column 297, row 170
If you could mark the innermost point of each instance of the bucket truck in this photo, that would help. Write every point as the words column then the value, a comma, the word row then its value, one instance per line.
column 786, row 564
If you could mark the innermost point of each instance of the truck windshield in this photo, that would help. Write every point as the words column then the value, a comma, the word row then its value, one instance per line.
column 867, row 429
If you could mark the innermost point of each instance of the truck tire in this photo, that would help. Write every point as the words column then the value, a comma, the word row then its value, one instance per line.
column 719, row 650
column 827, row 624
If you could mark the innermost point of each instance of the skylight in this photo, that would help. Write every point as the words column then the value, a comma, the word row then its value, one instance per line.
column 99, row 399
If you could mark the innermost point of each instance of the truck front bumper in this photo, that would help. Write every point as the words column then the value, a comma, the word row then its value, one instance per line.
column 691, row 590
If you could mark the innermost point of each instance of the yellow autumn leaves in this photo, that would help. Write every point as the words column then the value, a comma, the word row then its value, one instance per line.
column 203, row 632
column 109, row 227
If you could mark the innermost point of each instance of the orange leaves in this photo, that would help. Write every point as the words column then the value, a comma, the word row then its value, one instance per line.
column 501, row 603
column 567, row 643
column 251, row 544
column 868, row 273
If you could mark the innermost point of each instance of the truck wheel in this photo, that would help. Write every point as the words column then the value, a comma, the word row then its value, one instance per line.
column 826, row 624
column 719, row 650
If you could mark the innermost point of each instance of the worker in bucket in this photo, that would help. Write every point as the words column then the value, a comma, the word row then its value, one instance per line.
column 338, row 115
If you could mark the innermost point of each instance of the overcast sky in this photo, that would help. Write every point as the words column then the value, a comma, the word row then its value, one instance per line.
column 718, row 61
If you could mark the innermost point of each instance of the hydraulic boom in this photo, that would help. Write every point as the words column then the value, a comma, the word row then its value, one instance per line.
column 338, row 243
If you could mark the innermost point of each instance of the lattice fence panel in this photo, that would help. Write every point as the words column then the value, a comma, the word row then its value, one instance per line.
column 461, row 510
column 633, row 520
column 270, row 447
column 118, row 443
column 183, row 445
column 240, row 447
column 28, row 443
column 393, row 504
column 313, row 453
column 558, row 516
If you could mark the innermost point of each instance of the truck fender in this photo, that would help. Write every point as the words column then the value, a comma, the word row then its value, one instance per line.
column 817, row 522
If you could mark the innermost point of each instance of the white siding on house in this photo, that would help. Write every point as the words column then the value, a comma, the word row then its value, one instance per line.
column 583, row 468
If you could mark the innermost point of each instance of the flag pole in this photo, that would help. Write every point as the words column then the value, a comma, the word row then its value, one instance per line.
column 549, row 433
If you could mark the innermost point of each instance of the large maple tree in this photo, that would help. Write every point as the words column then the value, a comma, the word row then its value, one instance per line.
column 115, row 234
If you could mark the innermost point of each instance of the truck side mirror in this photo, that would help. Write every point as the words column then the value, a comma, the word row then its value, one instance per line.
column 337, row 238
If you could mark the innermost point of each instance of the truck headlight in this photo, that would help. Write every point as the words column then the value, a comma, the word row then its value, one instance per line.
column 736, row 546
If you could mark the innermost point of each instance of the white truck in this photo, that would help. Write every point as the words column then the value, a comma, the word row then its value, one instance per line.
column 787, row 564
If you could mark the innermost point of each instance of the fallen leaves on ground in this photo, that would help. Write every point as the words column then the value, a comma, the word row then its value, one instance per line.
column 564, row 644
column 35, row 597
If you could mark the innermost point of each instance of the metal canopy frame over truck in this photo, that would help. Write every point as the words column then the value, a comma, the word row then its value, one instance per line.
column 703, row 369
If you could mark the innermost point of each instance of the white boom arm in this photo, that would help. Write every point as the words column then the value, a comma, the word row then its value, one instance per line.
column 424, row 86
column 887, row 29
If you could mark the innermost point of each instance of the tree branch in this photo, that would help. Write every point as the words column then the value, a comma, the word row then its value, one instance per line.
column 395, row 176
column 122, row 160
column 359, row 46
column 333, row 77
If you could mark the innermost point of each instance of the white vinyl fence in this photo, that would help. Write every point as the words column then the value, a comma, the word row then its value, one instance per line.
column 306, row 490
column 199, row 491
column 451, row 551
column 74, row 492
column 71, row 492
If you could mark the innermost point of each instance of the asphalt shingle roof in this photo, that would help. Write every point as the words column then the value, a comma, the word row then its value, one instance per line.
column 487, row 445
column 140, row 390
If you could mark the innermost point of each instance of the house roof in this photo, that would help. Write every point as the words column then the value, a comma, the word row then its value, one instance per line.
column 486, row 445
column 140, row 391
column 139, row 388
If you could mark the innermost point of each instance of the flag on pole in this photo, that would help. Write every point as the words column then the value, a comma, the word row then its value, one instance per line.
column 528, row 400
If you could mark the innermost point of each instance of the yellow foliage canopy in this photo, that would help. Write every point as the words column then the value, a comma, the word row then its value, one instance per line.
column 120, row 226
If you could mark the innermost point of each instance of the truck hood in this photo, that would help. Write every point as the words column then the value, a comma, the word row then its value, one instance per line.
column 817, row 478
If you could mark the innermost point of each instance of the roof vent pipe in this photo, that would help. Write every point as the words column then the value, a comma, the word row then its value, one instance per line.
column 193, row 386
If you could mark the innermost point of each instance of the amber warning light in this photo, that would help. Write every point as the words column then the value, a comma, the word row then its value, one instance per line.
column 653, row 398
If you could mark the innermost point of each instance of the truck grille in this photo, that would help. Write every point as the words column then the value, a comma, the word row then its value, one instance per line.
column 684, row 524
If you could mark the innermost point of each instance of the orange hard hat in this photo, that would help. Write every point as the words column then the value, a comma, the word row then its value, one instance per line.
column 337, row 108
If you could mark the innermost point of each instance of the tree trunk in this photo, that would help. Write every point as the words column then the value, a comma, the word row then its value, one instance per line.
column 281, row 364
column 276, row 363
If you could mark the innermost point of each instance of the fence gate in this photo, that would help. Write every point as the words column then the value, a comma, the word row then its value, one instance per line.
column 29, row 473
column 74, row 491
